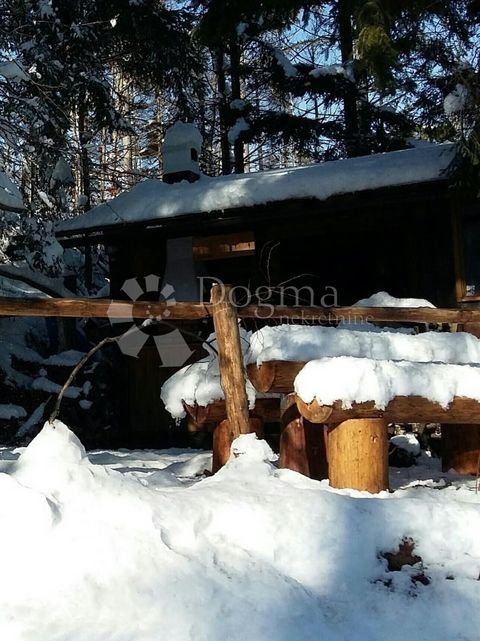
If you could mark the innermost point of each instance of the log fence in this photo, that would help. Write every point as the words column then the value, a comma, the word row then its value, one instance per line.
column 349, row 446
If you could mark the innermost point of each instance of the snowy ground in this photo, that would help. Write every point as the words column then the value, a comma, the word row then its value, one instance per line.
column 142, row 546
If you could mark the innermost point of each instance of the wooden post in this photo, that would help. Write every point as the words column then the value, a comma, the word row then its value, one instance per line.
column 222, row 441
column 232, row 372
column 461, row 441
column 302, row 444
column 293, row 449
column 461, row 448
column 316, row 440
column 358, row 455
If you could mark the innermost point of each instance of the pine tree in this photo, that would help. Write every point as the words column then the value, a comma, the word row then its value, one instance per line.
column 65, row 102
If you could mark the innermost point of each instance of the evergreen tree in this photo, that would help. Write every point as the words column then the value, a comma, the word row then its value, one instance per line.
column 68, row 52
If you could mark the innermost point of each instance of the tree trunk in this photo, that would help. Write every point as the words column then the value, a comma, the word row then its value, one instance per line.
column 235, row 75
column 358, row 455
column 224, row 144
column 350, row 106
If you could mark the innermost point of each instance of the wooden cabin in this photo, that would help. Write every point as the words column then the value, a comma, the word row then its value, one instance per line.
column 345, row 229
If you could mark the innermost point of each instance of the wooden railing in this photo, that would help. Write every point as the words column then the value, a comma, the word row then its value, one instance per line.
column 297, row 419
column 106, row 308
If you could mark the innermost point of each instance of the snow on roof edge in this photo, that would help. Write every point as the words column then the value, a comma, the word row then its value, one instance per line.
column 154, row 200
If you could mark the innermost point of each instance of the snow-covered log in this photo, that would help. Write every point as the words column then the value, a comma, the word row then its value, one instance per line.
column 401, row 409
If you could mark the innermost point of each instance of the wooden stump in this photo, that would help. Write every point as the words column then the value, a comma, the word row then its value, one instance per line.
column 223, row 437
column 461, row 448
column 358, row 455
column 302, row 444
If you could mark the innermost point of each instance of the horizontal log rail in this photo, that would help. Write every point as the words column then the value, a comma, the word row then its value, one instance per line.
column 267, row 409
column 106, row 308
column 275, row 376
column 401, row 409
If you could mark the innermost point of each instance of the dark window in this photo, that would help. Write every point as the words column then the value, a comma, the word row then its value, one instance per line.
column 193, row 154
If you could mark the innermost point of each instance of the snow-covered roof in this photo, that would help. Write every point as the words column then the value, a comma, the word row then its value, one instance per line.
column 152, row 200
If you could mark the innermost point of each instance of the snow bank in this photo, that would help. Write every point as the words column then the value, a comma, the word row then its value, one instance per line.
column 70, row 358
column 358, row 380
column 251, row 553
column 9, row 411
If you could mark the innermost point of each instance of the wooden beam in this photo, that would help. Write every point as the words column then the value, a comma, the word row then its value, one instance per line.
column 365, row 314
column 230, row 358
column 106, row 308
column 277, row 376
column 101, row 308
column 402, row 409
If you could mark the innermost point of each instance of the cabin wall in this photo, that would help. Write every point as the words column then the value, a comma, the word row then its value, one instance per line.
column 144, row 421
column 404, row 249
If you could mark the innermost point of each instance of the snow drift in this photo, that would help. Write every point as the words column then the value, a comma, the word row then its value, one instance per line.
column 251, row 553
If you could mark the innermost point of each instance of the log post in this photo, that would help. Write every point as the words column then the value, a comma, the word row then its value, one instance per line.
column 222, row 441
column 461, row 448
column 232, row 372
column 358, row 455
column 461, row 441
column 316, row 441
column 293, row 448
column 302, row 444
